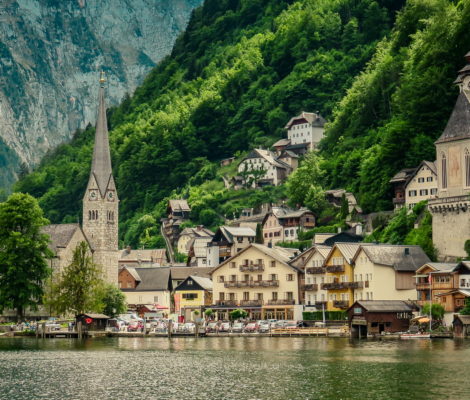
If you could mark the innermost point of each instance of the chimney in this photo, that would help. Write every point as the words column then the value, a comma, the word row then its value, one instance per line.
column 128, row 249
column 407, row 251
column 199, row 227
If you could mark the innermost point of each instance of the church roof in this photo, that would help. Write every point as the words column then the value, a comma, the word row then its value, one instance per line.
column 458, row 126
column 60, row 234
column 101, row 162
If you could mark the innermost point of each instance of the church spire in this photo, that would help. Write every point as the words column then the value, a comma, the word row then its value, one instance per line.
column 101, row 163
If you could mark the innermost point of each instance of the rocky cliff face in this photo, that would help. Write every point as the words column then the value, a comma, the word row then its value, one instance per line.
column 51, row 52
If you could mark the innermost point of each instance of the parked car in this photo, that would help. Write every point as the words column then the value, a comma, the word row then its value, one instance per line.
column 211, row 327
column 237, row 327
column 53, row 326
column 189, row 327
column 280, row 324
column 263, row 327
column 291, row 325
column 251, row 327
column 224, row 327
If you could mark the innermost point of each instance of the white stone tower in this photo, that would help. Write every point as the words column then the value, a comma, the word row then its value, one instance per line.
column 100, row 202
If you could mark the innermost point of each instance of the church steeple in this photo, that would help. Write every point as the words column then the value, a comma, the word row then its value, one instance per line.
column 101, row 163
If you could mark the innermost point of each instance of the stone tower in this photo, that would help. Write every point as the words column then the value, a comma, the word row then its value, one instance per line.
column 451, row 208
column 100, row 202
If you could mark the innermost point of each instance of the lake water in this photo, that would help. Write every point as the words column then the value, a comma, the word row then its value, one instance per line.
column 233, row 368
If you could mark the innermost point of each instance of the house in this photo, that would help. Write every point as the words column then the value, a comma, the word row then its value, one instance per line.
column 421, row 184
column 191, row 233
column 197, row 256
column 282, row 224
column 399, row 182
column 311, row 262
column 259, row 280
column 178, row 209
column 180, row 273
column 305, row 129
column 92, row 321
column 387, row 272
column 191, row 295
column 227, row 161
column 339, row 277
column 142, row 257
column 342, row 237
column 146, row 286
column 280, row 145
column 450, row 209
column 290, row 158
column 227, row 241
column 336, row 196
column 374, row 317
column 461, row 324
column 262, row 167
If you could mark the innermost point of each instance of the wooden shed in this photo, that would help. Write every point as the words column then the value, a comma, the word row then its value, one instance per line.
column 461, row 325
column 92, row 322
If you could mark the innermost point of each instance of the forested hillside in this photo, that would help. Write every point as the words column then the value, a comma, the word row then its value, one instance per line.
column 243, row 68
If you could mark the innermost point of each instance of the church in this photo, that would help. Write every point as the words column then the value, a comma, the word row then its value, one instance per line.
column 100, row 209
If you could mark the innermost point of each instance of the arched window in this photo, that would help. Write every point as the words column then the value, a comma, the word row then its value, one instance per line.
column 89, row 215
column 96, row 214
column 444, row 170
column 467, row 167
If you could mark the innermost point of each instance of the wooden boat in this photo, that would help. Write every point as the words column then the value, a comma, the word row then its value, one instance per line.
column 415, row 336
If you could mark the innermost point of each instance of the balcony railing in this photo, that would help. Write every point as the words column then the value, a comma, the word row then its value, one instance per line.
column 280, row 302
column 397, row 200
column 340, row 304
column 335, row 268
column 229, row 303
column 310, row 286
column 315, row 270
column 251, row 303
column 422, row 286
column 252, row 267
column 241, row 284
column 341, row 285
column 320, row 303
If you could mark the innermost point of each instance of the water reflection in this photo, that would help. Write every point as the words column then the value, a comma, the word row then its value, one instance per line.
column 233, row 368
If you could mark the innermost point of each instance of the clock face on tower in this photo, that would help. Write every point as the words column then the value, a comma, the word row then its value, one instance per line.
column 93, row 195
column 110, row 196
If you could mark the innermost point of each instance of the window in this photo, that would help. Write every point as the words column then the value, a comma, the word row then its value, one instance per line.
column 274, row 295
column 246, row 295
column 221, row 296
column 233, row 278
column 289, row 295
column 189, row 296
column 434, row 191
column 246, row 277
column 429, row 179
column 290, row 277
column 273, row 277
column 190, row 282
column 155, row 299
column 286, row 232
column 221, row 279
column 467, row 168
column 420, row 180
column 259, row 296
column 232, row 264
column 444, row 171
column 412, row 193
column 273, row 263
column 423, row 192
column 260, row 277
column 240, row 239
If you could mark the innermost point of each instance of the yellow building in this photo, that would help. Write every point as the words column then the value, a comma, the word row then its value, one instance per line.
column 259, row 280
column 191, row 295
column 340, row 276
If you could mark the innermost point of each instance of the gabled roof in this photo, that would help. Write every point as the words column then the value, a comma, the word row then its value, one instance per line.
column 384, row 305
column 197, row 232
column 281, row 142
column 465, row 319
column 343, row 237
column 199, row 246
column 269, row 156
column 295, row 213
column 179, row 205
column 152, row 279
column 202, row 282
column 458, row 126
column 134, row 273
column 310, row 252
column 229, row 232
column 288, row 153
column 403, row 176
column 60, row 234
column 143, row 255
column 312, row 118
column 430, row 165
column 437, row 267
column 401, row 257
column 179, row 273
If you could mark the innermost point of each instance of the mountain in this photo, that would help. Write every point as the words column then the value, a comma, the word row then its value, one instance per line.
column 51, row 52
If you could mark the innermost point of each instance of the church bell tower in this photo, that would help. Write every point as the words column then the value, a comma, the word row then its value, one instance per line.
column 100, row 202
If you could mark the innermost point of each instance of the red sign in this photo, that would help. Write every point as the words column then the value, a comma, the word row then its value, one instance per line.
column 88, row 321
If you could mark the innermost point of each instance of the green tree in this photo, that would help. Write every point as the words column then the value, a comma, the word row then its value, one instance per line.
column 238, row 314
column 259, row 234
column 23, row 253
column 209, row 313
column 467, row 247
column 112, row 299
column 466, row 309
column 437, row 311
column 79, row 288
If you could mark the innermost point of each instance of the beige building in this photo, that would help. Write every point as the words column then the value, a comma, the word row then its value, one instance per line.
column 259, row 280
column 387, row 272
column 306, row 128
column 142, row 257
column 198, row 248
column 228, row 241
column 421, row 185
column 188, row 234
column 451, row 219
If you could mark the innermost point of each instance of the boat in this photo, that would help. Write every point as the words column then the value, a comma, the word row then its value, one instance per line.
column 415, row 336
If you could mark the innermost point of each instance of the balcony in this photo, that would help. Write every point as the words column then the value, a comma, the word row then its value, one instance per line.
column 341, row 285
column 258, row 267
column 310, row 286
column 251, row 284
column 227, row 303
column 315, row 270
column 341, row 304
column 398, row 200
column 321, row 303
column 281, row 302
column 251, row 303
column 422, row 286
column 335, row 268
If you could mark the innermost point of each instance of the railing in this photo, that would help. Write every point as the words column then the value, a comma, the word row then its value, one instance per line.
column 453, row 199
column 335, row 268
column 340, row 304
column 422, row 286
column 315, row 270
column 280, row 302
column 398, row 201
column 310, row 286
column 341, row 285
column 240, row 284
column 252, row 267
column 319, row 303
column 251, row 303
column 230, row 303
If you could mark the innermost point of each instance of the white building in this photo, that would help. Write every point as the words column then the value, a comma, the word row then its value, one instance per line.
column 306, row 128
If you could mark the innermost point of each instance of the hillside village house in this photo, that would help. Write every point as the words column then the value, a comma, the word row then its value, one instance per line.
column 275, row 170
column 290, row 158
column 178, row 211
column 191, row 295
column 387, row 272
column 335, row 197
column 142, row 257
column 451, row 207
column 260, row 280
column 146, row 287
column 282, row 224
column 198, row 247
column 399, row 182
column 180, row 273
column 188, row 234
column 227, row 241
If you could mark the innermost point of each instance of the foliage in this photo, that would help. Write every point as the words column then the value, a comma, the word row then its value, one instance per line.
column 259, row 234
column 437, row 310
column 79, row 288
column 308, row 235
column 329, row 315
column 466, row 309
column 238, row 314
column 23, row 253
column 467, row 247
column 113, row 300
column 303, row 245
column 209, row 312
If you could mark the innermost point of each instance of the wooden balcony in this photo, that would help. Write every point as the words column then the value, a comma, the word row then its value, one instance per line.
column 252, row 284
column 281, row 302
column 315, row 270
column 422, row 286
column 251, row 303
column 258, row 267
column 343, row 304
column 228, row 303
column 341, row 285
column 335, row 268
column 310, row 286
column 321, row 303
column 398, row 200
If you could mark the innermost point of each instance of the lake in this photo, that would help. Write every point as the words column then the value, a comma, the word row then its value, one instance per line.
column 233, row 368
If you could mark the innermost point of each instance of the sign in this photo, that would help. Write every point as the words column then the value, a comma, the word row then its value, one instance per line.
column 88, row 320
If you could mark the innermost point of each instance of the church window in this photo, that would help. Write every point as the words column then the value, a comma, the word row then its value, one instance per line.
column 467, row 168
column 444, row 170
column 89, row 215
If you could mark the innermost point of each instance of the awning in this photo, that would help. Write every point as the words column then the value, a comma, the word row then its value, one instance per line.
column 423, row 320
